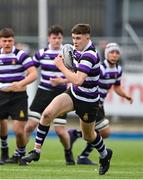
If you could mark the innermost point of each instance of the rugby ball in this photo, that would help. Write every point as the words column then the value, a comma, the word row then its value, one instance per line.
column 68, row 57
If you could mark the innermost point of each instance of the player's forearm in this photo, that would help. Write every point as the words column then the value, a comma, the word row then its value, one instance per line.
column 70, row 76
column 63, row 81
column 120, row 91
column 29, row 79
column 75, row 78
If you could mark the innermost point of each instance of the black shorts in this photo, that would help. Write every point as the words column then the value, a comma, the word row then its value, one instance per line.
column 100, row 114
column 15, row 105
column 85, row 110
column 43, row 98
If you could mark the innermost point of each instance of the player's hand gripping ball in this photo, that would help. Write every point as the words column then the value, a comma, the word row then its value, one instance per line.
column 68, row 57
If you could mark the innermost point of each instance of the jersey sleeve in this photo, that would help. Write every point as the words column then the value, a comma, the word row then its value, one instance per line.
column 25, row 59
column 37, row 57
column 87, row 61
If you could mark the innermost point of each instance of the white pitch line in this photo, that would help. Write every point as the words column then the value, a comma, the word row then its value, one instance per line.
column 47, row 160
column 126, row 172
column 44, row 170
column 59, row 170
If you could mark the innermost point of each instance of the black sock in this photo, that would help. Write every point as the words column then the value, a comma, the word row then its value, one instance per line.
column 20, row 151
column 88, row 149
column 99, row 145
column 42, row 132
column 4, row 143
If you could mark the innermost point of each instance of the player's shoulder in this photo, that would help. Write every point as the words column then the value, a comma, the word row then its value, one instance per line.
column 20, row 54
column 18, row 51
column 103, row 64
column 90, row 54
column 40, row 52
column 119, row 67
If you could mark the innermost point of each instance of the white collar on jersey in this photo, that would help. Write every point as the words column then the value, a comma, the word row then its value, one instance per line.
column 13, row 49
column 108, row 64
column 50, row 48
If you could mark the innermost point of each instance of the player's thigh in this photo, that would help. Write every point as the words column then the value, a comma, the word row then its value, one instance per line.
column 60, row 104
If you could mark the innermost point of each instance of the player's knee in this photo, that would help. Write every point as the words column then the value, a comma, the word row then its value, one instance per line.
column 87, row 138
column 18, row 131
column 47, row 115
column 29, row 128
column 59, row 131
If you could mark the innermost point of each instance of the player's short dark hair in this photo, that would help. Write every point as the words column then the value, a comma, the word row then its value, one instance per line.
column 81, row 29
column 6, row 32
column 55, row 29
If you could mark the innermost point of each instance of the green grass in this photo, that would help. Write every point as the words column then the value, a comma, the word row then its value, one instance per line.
column 127, row 162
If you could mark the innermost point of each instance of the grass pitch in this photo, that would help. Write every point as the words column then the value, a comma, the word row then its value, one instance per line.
column 127, row 162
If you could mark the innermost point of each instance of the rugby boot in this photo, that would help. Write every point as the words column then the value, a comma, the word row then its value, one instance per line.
column 105, row 162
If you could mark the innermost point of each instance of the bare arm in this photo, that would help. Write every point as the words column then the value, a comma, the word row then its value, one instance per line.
column 75, row 78
column 31, row 76
column 121, row 92
column 21, row 85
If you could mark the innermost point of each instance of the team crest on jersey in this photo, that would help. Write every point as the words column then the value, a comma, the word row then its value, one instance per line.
column 85, row 117
column 21, row 114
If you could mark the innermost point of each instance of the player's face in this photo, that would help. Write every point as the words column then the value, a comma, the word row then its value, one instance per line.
column 80, row 41
column 7, row 44
column 55, row 41
column 113, row 57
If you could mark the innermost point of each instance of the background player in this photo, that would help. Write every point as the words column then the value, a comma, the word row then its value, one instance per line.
column 52, row 83
column 17, row 71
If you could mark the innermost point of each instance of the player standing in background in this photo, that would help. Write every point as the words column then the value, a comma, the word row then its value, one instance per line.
column 110, row 76
column 4, row 123
column 82, row 96
column 4, row 138
column 16, row 72
column 52, row 83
